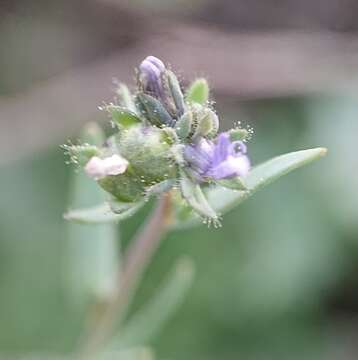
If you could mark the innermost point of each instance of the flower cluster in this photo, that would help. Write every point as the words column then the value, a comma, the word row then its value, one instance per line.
column 166, row 139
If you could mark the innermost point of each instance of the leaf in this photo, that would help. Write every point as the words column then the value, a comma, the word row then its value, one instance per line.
column 195, row 197
column 161, row 187
column 101, row 214
column 92, row 259
column 198, row 92
column 223, row 200
column 236, row 183
column 149, row 320
column 123, row 116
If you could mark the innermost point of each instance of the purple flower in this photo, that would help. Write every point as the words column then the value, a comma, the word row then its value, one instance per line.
column 222, row 159
column 151, row 70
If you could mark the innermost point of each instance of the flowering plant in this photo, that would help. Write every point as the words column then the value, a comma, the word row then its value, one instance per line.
column 166, row 144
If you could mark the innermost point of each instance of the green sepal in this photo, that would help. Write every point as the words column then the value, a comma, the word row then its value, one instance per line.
column 153, row 110
column 176, row 93
column 169, row 135
column 126, row 187
column 238, row 134
column 81, row 154
column 207, row 123
column 198, row 92
column 123, row 117
column 195, row 197
column 125, row 98
column 183, row 126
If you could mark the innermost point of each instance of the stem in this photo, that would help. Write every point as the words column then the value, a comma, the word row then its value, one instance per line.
column 137, row 257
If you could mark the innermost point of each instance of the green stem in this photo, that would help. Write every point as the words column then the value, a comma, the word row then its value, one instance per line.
column 137, row 258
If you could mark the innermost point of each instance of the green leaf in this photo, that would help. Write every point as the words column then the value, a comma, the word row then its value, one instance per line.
column 195, row 197
column 101, row 214
column 123, row 116
column 236, row 183
column 161, row 187
column 198, row 92
column 223, row 200
column 125, row 98
column 92, row 260
column 149, row 320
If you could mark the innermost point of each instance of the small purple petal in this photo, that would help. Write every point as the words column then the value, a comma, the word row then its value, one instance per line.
column 231, row 167
column 222, row 148
column 221, row 160
column 156, row 62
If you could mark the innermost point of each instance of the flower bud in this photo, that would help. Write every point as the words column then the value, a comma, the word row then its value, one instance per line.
column 150, row 76
column 162, row 85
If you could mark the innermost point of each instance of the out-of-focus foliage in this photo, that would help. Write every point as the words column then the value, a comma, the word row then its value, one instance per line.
column 268, row 283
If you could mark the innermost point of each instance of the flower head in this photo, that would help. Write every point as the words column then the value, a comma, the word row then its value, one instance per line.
column 98, row 168
column 222, row 159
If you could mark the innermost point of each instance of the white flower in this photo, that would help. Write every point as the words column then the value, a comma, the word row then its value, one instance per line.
column 98, row 168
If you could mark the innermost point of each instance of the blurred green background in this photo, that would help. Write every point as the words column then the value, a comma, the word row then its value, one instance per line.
column 279, row 279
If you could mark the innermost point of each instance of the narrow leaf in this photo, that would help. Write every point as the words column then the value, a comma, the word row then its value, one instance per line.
column 262, row 175
column 101, row 214
column 149, row 320
column 91, row 260
column 223, row 200
column 236, row 183
column 123, row 116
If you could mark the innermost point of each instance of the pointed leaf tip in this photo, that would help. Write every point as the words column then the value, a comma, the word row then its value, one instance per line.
column 222, row 199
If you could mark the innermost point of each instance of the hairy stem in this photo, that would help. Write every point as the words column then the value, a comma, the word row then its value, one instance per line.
column 137, row 257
